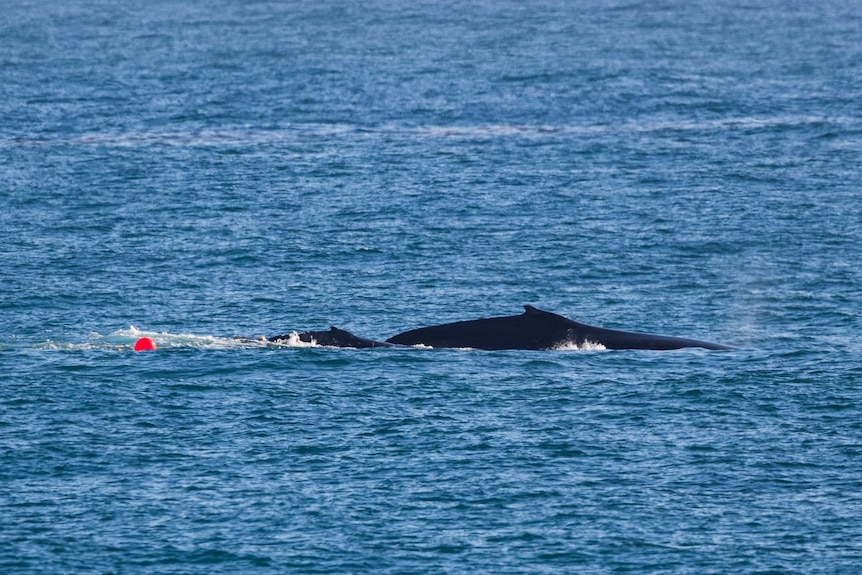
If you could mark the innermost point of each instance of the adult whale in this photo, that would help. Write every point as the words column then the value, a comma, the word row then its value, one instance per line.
column 537, row 329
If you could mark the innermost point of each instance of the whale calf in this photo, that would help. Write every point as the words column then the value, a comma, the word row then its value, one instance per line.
column 533, row 329
column 333, row 338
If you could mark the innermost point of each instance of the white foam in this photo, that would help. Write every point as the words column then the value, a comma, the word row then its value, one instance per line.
column 294, row 341
column 126, row 338
column 574, row 346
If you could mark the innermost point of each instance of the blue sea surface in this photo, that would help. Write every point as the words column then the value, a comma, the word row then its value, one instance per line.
column 194, row 171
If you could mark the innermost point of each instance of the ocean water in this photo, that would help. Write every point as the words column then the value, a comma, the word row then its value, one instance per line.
column 194, row 171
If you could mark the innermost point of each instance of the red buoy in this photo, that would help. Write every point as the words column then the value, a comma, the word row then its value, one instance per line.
column 145, row 344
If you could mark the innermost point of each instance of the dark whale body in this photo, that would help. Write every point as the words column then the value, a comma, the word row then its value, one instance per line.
column 537, row 329
column 533, row 329
column 333, row 338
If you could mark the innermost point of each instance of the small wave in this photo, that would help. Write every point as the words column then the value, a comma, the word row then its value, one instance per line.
column 494, row 130
column 241, row 136
column 731, row 123
column 229, row 137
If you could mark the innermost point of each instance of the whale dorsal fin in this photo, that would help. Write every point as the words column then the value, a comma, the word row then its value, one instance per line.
column 531, row 311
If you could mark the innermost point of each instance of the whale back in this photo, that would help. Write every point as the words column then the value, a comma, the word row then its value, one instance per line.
column 537, row 329
column 533, row 329
column 334, row 337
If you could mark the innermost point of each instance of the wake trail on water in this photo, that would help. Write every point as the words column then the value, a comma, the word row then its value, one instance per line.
column 124, row 340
